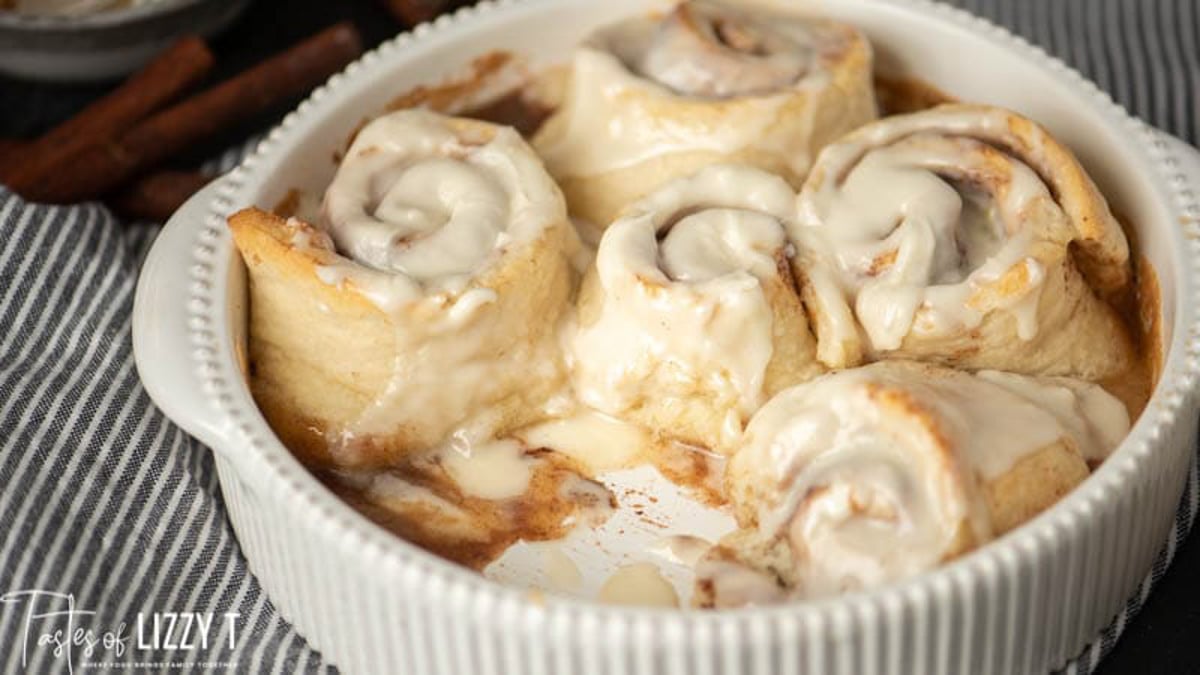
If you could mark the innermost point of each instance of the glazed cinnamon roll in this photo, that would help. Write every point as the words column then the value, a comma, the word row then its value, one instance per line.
column 965, row 235
column 655, row 98
column 873, row 474
column 689, row 318
column 424, row 303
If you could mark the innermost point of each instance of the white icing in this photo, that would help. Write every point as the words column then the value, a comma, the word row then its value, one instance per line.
column 735, row 584
column 718, row 242
column 872, row 474
column 690, row 308
column 307, row 237
column 390, row 489
column 561, row 572
column 496, row 470
column 1095, row 420
column 656, row 64
column 426, row 203
column 681, row 549
column 638, row 584
column 456, row 341
column 596, row 440
column 914, row 218
column 398, row 495
column 707, row 49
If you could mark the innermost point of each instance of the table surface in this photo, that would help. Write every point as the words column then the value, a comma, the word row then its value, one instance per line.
column 1161, row 639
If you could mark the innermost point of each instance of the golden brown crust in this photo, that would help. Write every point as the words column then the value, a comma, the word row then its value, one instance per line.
column 898, row 95
column 266, row 243
column 1033, row 485
column 1079, row 335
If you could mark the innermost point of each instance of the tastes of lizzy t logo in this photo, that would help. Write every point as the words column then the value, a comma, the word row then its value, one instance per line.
column 52, row 621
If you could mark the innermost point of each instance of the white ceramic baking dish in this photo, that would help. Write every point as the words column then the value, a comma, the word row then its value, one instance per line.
column 373, row 603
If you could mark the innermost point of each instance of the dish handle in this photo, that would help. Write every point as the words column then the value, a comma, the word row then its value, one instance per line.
column 163, row 346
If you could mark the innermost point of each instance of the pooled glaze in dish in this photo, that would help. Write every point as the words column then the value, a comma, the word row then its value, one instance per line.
column 460, row 507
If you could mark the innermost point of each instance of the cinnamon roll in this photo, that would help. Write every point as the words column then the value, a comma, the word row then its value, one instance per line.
column 689, row 320
column 424, row 303
column 873, row 474
column 655, row 98
column 965, row 235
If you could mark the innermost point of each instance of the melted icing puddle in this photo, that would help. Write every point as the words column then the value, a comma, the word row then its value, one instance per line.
column 473, row 522
column 584, row 506
column 659, row 529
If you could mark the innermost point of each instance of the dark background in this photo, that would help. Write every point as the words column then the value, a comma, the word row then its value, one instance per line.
column 1163, row 638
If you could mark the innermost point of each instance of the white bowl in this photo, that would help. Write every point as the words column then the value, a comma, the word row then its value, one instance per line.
column 106, row 44
column 371, row 602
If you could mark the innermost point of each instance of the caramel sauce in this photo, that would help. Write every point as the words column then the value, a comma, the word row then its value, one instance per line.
column 898, row 95
column 289, row 205
column 699, row 471
column 1141, row 309
column 514, row 109
column 453, row 96
column 449, row 96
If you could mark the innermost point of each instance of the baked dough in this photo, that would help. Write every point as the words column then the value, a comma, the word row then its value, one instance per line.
column 652, row 99
column 690, row 319
column 433, row 315
column 965, row 235
column 873, row 474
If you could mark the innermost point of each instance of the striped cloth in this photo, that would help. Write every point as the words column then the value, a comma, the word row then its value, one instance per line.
column 102, row 497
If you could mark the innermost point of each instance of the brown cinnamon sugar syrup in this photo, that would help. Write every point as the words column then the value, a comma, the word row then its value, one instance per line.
column 420, row 501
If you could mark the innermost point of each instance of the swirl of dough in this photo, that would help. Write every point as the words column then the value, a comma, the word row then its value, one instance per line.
column 705, row 49
column 428, row 199
column 690, row 317
column 443, row 249
column 874, row 474
column 654, row 98
column 967, row 235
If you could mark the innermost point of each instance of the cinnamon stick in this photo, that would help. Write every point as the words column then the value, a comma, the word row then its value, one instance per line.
column 9, row 147
column 413, row 12
column 158, row 195
column 174, row 71
column 98, row 169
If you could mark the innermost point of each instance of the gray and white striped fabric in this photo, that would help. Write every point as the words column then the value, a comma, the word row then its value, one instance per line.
column 103, row 498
